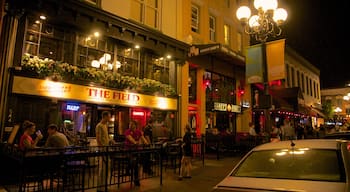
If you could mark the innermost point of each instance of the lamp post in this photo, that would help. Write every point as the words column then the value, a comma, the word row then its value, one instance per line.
column 262, row 25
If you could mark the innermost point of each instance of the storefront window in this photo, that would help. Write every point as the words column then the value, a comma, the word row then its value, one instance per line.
column 220, row 88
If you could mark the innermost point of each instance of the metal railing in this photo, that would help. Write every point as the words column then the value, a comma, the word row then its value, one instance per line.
column 78, row 168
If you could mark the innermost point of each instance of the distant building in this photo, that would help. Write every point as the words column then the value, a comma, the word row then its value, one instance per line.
column 339, row 99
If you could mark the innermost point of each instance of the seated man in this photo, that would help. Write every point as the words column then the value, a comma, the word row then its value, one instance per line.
column 55, row 139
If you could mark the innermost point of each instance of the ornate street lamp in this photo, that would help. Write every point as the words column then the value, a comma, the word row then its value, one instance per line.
column 266, row 23
column 262, row 25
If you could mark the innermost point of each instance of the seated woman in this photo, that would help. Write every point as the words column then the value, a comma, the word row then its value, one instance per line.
column 26, row 141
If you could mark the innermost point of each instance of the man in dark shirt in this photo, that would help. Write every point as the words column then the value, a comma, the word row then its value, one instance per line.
column 148, row 132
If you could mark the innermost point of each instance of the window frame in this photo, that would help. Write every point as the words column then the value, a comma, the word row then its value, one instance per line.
column 195, row 18
column 227, row 34
column 212, row 29
column 144, row 6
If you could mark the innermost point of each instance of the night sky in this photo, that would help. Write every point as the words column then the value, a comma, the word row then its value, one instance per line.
column 316, row 30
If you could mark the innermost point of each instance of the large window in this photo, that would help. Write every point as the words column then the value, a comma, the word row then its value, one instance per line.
column 227, row 34
column 212, row 28
column 195, row 18
column 93, row 50
column 46, row 41
column 146, row 12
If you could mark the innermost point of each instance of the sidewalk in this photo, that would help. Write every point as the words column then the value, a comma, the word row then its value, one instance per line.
column 204, row 178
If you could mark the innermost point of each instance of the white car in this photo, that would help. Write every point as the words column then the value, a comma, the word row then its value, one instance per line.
column 314, row 165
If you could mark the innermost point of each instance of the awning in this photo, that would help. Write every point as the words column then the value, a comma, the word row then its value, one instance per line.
column 317, row 112
column 286, row 98
column 217, row 50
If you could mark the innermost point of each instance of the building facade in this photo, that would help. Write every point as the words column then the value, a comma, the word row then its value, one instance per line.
column 213, row 87
column 338, row 99
column 65, row 62
column 212, row 78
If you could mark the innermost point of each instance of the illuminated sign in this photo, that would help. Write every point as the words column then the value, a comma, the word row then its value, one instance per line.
column 227, row 107
column 138, row 113
column 39, row 87
column 72, row 107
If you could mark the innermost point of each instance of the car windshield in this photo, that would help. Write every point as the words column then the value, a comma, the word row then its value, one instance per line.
column 301, row 164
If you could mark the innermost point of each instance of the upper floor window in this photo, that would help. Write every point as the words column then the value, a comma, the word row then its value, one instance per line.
column 212, row 28
column 93, row 2
column 239, row 42
column 298, row 78
column 311, row 90
column 292, row 83
column 195, row 18
column 302, row 83
column 307, row 85
column 227, row 33
column 288, row 75
column 146, row 12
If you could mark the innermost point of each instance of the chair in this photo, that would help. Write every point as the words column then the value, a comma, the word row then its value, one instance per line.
column 120, row 168
column 173, row 156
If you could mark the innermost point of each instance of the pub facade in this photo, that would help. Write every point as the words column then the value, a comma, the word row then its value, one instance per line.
column 65, row 62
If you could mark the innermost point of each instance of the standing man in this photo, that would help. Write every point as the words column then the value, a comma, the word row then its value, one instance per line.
column 102, row 139
column 56, row 139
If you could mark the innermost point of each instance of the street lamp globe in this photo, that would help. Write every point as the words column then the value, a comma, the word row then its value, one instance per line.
column 266, row 22
column 265, row 5
column 280, row 15
column 243, row 13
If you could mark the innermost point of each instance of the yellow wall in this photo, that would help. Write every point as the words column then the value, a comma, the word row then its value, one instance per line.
column 184, row 97
column 120, row 8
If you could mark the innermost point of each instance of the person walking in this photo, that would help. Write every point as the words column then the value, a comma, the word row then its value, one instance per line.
column 186, row 166
column 56, row 139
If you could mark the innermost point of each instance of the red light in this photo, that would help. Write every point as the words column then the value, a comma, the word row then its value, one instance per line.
column 138, row 113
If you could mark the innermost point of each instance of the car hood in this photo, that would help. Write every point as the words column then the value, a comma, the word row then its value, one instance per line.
column 276, row 185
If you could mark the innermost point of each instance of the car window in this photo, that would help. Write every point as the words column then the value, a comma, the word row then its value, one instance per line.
column 304, row 164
